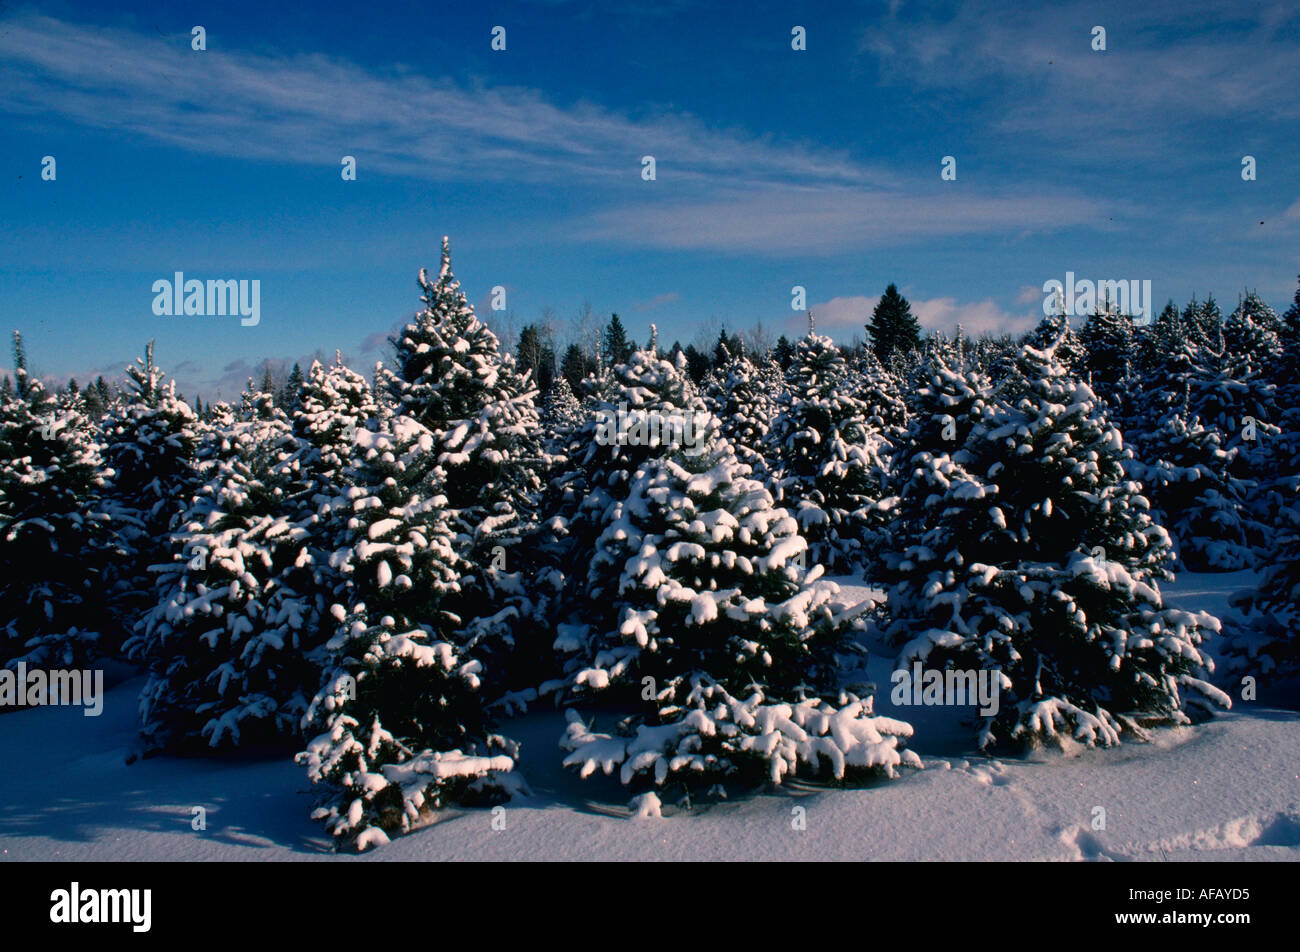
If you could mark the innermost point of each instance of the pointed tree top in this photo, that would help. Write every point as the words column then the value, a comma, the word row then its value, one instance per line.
column 654, row 339
column 812, row 324
column 446, row 256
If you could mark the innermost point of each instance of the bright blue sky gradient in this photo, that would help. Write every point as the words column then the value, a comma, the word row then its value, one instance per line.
column 775, row 167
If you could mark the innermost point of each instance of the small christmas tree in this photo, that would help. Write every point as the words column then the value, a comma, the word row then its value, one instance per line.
column 1195, row 496
column 717, row 638
column 562, row 414
column 1031, row 554
column 229, row 645
column 151, row 440
column 52, row 529
column 743, row 396
column 829, row 456
column 399, row 727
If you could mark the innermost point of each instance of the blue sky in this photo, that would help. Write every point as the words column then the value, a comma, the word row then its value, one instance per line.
column 775, row 167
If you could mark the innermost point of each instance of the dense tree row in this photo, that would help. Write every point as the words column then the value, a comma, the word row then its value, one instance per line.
column 380, row 575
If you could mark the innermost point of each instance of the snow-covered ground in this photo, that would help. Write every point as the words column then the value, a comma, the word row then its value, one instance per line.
column 1226, row 790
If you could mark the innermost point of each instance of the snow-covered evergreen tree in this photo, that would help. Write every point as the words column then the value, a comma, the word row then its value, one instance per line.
column 399, row 726
column 452, row 377
column 1203, row 322
column 715, row 636
column 1252, row 335
column 1028, row 552
column 1056, row 332
column 52, row 529
column 1264, row 639
column 1108, row 336
column 1195, row 496
column 229, row 645
column 881, row 394
column 744, row 396
column 828, row 456
column 562, row 413
column 150, row 442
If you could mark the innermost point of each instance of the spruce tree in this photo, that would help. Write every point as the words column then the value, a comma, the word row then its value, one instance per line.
column 150, row 445
column 1108, row 337
column 616, row 347
column 893, row 328
column 452, row 378
column 288, row 399
column 1187, row 476
column 783, row 352
column 561, row 415
column 398, row 727
column 744, row 397
column 828, row 456
column 230, row 644
column 1055, row 333
column 600, row 464
column 575, row 366
column 881, row 394
column 714, row 635
column 1026, row 551
column 53, row 535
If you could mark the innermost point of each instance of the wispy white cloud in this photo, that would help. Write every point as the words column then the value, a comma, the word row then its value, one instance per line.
column 975, row 317
column 722, row 189
column 1036, row 72
column 842, row 317
column 659, row 300
column 315, row 108
column 1028, row 294
column 780, row 221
